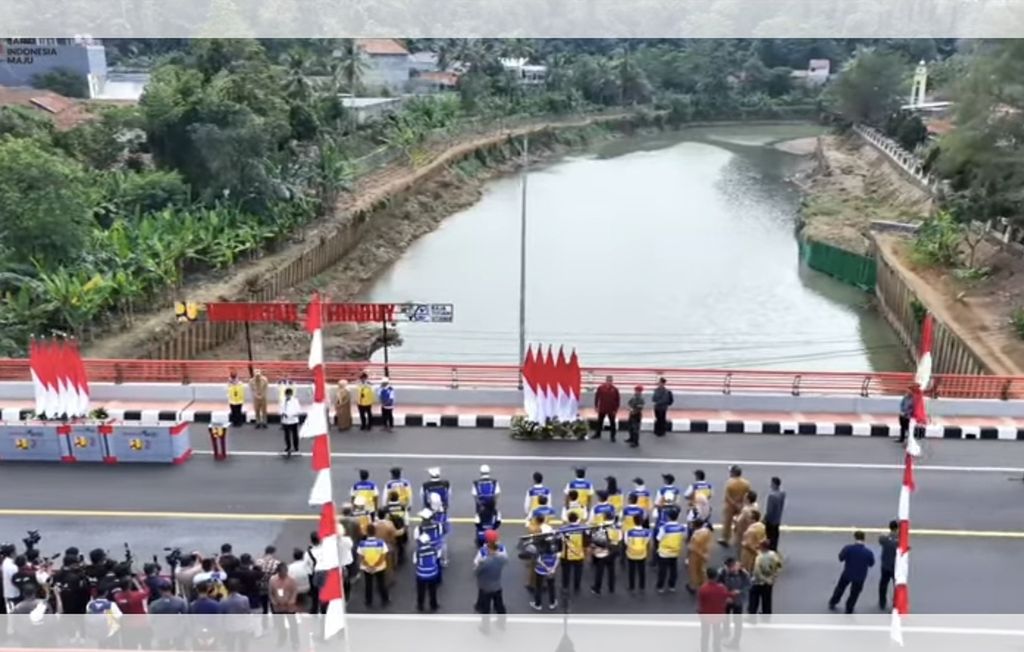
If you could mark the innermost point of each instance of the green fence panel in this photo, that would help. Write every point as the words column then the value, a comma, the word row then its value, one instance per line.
column 853, row 269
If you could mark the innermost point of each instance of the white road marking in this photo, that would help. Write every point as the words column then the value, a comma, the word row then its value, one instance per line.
column 857, row 466
column 685, row 622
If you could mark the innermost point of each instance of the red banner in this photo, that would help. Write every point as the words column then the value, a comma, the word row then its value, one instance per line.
column 289, row 312
column 252, row 312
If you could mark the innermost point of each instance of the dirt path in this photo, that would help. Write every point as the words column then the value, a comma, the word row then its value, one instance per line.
column 369, row 192
column 852, row 185
column 979, row 313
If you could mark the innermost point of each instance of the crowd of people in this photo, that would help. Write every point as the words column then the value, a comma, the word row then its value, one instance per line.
column 634, row 536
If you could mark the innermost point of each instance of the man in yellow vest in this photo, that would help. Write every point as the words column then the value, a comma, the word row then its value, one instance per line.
column 236, row 400
column 669, row 537
column 573, row 553
column 258, row 386
column 364, row 401
column 638, row 546
column 373, row 556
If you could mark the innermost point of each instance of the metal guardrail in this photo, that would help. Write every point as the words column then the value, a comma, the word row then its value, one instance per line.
column 484, row 376
column 910, row 163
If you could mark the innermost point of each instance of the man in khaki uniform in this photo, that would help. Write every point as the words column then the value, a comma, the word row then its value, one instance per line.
column 745, row 518
column 698, row 555
column 258, row 387
column 750, row 544
column 388, row 533
column 736, row 488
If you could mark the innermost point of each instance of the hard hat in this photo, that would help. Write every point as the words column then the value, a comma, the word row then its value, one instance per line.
column 638, row 389
column 435, row 472
column 426, row 513
column 484, row 469
column 546, row 529
column 424, row 538
column 491, row 536
column 384, row 380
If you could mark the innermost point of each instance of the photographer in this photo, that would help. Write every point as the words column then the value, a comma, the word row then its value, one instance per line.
column 72, row 585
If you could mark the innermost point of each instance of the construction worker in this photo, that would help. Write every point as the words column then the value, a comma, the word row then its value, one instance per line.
column 584, row 488
column 615, row 496
column 364, row 402
column 487, row 518
column 428, row 572
column 638, row 547
column 744, row 518
column 363, row 515
column 258, row 387
column 699, row 487
column 736, row 488
column 367, row 490
column 750, row 544
column 430, row 526
column 398, row 514
column 604, row 546
column 669, row 540
column 435, row 484
column 573, row 505
column 604, row 511
column 698, row 555
column 485, row 488
column 668, row 493
column 643, row 497
column 574, row 552
column 633, row 515
column 534, row 493
column 544, row 511
column 236, row 400
column 544, row 570
column 373, row 556
column 399, row 485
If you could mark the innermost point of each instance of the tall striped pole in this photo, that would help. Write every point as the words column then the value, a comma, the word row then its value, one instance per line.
column 322, row 493
column 901, row 593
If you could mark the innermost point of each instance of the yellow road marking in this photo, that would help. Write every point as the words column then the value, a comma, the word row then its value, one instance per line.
column 218, row 516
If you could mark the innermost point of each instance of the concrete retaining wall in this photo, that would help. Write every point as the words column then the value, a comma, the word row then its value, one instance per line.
column 426, row 396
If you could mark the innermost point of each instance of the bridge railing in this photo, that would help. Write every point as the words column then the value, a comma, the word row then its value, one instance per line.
column 491, row 376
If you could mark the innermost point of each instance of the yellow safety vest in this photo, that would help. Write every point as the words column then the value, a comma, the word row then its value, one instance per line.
column 402, row 488
column 616, row 502
column 671, row 542
column 374, row 554
column 365, row 395
column 236, row 393
column 637, row 544
column 579, row 510
column 573, row 550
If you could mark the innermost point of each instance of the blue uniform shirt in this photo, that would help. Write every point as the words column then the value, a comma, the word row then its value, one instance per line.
column 427, row 565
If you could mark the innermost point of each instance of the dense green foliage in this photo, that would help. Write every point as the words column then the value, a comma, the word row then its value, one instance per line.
column 66, row 82
column 238, row 143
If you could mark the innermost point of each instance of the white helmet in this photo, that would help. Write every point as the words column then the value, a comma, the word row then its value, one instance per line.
column 426, row 513
column 546, row 529
column 435, row 472
column 485, row 470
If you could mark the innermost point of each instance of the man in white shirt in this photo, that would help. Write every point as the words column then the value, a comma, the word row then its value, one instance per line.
column 299, row 570
column 210, row 573
column 290, row 422
column 8, row 568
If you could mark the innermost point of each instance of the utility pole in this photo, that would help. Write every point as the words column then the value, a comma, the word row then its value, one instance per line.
column 522, row 262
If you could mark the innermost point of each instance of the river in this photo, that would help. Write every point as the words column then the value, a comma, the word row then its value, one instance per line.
column 675, row 250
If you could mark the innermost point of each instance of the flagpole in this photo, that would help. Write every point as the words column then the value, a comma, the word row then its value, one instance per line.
column 522, row 262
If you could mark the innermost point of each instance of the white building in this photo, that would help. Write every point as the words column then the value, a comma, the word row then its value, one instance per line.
column 528, row 75
column 371, row 108
column 387, row 65
column 817, row 73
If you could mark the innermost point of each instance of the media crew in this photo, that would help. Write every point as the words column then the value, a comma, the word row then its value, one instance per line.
column 548, row 549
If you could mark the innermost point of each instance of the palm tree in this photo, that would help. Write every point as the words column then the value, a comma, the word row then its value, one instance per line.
column 297, row 85
column 350, row 66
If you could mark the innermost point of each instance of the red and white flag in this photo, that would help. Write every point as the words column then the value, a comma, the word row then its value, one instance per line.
column 35, row 367
column 901, row 592
column 563, row 396
column 322, row 493
column 576, row 377
column 529, row 372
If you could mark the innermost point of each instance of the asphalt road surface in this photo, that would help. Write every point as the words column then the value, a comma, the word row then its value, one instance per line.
column 967, row 518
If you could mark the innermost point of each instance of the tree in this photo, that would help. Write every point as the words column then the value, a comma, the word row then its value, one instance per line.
column 63, row 81
column 45, row 204
column 350, row 66
column 297, row 86
column 870, row 87
column 21, row 122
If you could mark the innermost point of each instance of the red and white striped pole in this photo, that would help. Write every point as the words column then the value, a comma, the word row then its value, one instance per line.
column 901, row 593
column 322, row 493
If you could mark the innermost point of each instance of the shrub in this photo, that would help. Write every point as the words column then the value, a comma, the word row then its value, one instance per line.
column 61, row 80
column 1017, row 319
column 523, row 428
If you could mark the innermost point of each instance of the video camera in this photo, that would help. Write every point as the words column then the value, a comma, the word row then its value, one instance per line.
column 32, row 539
column 173, row 557
column 546, row 543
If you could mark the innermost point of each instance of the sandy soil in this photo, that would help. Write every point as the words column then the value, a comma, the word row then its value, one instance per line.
column 977, row 311
column 798, row 146
column 852, row 185
column 369, row 191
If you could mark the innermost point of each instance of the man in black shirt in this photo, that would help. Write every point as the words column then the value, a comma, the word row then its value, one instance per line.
column 227, row 561
column 73, row 585
column 249, row 578
column 887, row 572
column 25, row 579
